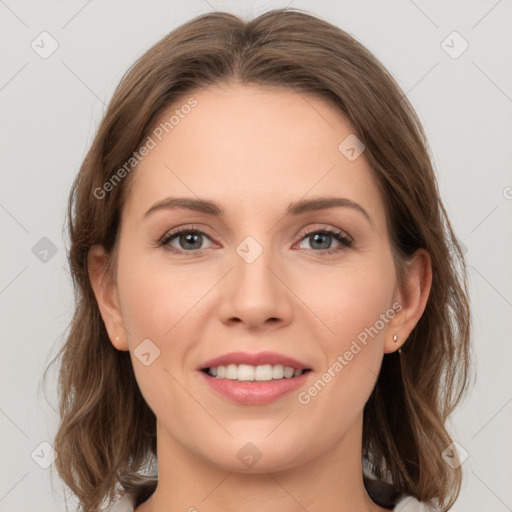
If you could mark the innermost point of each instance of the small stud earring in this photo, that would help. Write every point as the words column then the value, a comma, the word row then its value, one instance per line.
column 395, row 338
column 117, row 338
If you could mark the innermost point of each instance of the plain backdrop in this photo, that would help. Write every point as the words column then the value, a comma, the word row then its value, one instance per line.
column 51, row 106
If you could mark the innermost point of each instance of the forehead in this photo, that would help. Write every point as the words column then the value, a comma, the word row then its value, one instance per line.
column 249, row 146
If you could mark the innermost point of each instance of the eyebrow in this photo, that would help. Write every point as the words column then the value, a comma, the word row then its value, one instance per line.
column 297, row 208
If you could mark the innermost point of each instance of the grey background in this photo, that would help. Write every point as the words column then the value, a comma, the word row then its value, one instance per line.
column 51, row 108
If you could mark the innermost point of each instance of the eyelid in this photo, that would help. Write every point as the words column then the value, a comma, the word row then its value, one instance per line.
column 346, row 243
column 326, row 228
column 168, row 235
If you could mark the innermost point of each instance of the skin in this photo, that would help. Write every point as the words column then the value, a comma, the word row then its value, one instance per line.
column 254, row 151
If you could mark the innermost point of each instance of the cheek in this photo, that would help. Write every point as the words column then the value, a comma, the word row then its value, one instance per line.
column 160, row 303
column 355, row 306
column 156, row 298
column 352, row 305
column 157, row 306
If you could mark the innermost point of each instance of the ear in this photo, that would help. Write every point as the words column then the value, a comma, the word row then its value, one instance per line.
column 105, row 290
column 412, row 295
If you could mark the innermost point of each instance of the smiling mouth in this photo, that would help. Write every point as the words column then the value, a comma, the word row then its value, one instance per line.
column 249, row 373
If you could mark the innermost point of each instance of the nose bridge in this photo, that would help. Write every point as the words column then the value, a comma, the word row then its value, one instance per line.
column 252, row 265
column 256, row 294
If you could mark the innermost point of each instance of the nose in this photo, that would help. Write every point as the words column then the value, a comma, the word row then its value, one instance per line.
column 255, row 293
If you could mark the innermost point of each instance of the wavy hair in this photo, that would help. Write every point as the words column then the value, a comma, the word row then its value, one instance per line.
column 107, row 432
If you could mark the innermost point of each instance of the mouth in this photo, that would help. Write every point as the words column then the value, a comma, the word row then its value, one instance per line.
column 250, row 373
column 254, row 378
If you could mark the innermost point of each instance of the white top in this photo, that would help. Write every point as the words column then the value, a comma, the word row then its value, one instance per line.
column 407, row 504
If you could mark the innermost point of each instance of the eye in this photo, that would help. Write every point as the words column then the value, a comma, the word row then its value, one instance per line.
column 322, row 239
column 188, row 240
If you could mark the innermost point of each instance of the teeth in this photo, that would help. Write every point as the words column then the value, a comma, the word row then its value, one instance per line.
column 288, row 372
column 277, row 371
column 231, row 372
column 263, row 372
column 246, row 372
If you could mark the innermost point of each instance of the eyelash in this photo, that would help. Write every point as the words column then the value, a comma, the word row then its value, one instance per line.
column 345, row 242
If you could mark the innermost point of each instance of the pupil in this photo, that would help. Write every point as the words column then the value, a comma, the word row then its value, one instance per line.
column 188, row 238
column 319, row 235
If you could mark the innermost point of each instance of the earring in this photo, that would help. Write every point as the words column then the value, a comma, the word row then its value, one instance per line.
column 395, row 338
column 117, row 338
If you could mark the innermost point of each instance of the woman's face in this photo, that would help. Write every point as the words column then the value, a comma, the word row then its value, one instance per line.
column 258, row 285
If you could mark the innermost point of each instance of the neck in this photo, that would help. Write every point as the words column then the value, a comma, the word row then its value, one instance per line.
column 332, row 481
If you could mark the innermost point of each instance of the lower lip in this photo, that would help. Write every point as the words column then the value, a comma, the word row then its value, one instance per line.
column 255, row 392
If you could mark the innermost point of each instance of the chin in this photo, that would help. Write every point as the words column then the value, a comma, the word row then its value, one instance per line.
column 255, row 454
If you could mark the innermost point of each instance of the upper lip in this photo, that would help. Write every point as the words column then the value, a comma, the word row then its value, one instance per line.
column 254, row 359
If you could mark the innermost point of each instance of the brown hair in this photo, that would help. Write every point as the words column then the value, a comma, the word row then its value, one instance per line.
column 107, row 433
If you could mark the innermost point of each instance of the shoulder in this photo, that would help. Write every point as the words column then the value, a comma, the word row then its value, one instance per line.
column 124, row 504
column 134, row 495
column 410, row 504
column 406, row 504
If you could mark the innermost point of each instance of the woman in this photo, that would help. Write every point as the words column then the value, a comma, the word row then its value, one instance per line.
column 220, row 359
